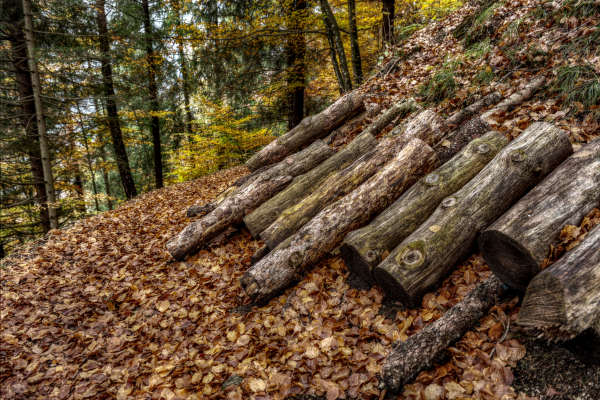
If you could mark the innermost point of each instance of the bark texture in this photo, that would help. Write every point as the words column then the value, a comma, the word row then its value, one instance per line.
column 516, row 245
column 469, row 112
column 309, row 129
column 517, row 97
column 325, row 231
column 364, row 248
column 428, row 254
column 419, row 351
column 235, row 203
column 564, row 300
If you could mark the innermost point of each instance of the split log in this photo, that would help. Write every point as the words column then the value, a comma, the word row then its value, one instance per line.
column 264, row 215
column 325, row 231
column 267, row 212
column 309, row 129
column 420, row 350
column 364, row 248
column 516, row 245
column 427, row 255
column 230, row 208
column 427, row 126
column 563, row 300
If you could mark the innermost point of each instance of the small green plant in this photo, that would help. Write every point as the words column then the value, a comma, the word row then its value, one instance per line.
column 404, row 32
column 485, row 76
column 580, row 8
column 479, row 49
column 441, row 85
column 578, row 83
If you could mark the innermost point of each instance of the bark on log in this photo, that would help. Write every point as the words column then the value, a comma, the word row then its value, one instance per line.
column 516, row 98
column 419, row 351
column 364, row 248
column 267, row 212
column 325, row 231
column 516, row 245
column 427, row 126
column 310, row 128
column 564, row 300
column 428, row 254
column 469, row 112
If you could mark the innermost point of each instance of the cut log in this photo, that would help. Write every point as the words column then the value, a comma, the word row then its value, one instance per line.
column 516, row 98
column 516, row 245
column 309, row 129
column 325, row 231
column 472, row 110
column 563, row 300
column 427, row 255
column 197, row 210
column 364, row 248
column 420, row 350
column 427, row 126
column 302, row 186
column 230, row 208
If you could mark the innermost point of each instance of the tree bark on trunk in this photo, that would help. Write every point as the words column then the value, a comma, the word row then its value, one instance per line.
column 286, row 263
column 427, row 255
column 420, row 351
column 333, row 29
column 112, row 117
column 310, row 128
column 106, row 178
column 364, row 248
column 354, row 43
column 562, row 301
column 246, row 198
column 184, row 75
column 296, row 49
column 427, row 126
column 516, row 245
column 387, row 14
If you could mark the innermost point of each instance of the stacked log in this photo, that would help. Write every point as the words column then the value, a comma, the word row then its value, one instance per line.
column 286, row 263
column 472, row 110
column 427, row 126
column 237, row 202
column 427, row 255
column 309, row 129
column 364, row 248
column 263, row 216
column 516, row 245
column 516, row 98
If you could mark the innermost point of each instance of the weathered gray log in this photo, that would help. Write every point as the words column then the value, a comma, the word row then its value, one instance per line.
column 420, row 350
column 302, row 186
column 309, row 129
column 563, row 300
column 516, row 98
column 516, row 245
column 427, row 126
column 235, row 203
column 472, row 110
column 366, row 247
column 427, row 255
column 325, row 231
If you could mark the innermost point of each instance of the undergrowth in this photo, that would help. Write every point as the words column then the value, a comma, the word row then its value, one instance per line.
column 578, row 84
column 441, row 85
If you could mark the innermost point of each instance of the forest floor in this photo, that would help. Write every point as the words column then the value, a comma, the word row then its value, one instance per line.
column 99, row 310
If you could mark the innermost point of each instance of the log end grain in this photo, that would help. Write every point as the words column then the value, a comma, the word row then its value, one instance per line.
column 356, row 263
column 543, row 305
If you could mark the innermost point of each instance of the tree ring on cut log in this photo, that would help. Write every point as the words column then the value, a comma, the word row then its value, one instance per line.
column 449, row 202
column 516, row 264
column 391, row 286
column 483, row 148
column 432, row 179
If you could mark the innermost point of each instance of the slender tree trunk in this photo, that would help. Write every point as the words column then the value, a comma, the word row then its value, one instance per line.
column 39, row 113
column 111, row 106
column 296, row 49
column 331, row 22
column 387, row 29
column 88, row 159
column 334, row 61
column 356, row 61
column 106, row 179
column 153, row 91
column 189, row 117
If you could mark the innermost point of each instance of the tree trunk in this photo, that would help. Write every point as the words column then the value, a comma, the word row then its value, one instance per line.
column 39, row 115
column 264, row 215
column 516, row 245
column 184, row 75
column 246, row 198
column 296, row 49
column 425, row 126
column 427, row 255
column 387, row 28
column 311, row 128
column 420, row 351
column 354, row 43
column 326, row 230
column 106, row 179
column 332, row 54
column 562, row 300
column 333, row 28
column 364, row 248
column 111, row 106
column 88, row 157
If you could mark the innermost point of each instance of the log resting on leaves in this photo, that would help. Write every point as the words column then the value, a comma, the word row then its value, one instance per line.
column 268, row 212
column 366, row 247
column 286, row 263
column 516, row 245
column 420, row 350
column 563, row 300
column 516, row 98
column 309, row 129
column 472, row 110
column 427, row 126
column 426, row 256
